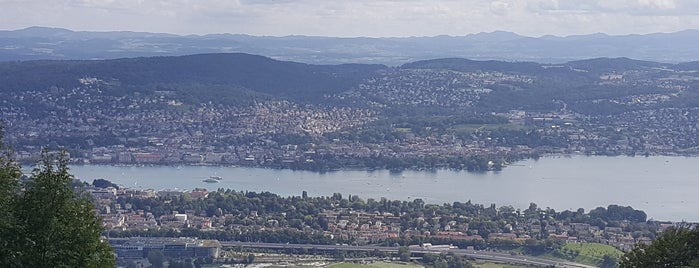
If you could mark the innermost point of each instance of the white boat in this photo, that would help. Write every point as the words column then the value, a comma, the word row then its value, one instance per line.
column 216, row 178
column 210, row 180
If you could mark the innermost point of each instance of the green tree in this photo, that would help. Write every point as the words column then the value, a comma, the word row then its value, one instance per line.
column 676, row 247
column 609, row 262
column 48, row 224
column 156, row 258
column 9, row 176
column 441, row 264
column 404, row 254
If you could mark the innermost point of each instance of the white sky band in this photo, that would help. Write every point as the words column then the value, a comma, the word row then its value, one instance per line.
column 374, row 18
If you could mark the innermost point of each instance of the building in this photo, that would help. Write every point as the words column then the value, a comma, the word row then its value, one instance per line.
column 135, row 248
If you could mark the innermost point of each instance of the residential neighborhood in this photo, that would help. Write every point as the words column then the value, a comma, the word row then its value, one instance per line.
column 358, row 128
column 348, row 222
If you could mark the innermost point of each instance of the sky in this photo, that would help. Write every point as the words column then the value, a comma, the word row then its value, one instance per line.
column 351, row 18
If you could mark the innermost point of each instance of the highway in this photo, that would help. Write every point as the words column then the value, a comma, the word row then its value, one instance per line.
column 475, row 254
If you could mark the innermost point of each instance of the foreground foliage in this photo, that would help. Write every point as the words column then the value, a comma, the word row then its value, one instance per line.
column 9, row 176
column 43, row 223
column 676, row 247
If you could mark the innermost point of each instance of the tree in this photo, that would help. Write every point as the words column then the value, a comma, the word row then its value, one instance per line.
column 9, row 189
column 404, row 254
column 441, row 264
column 156, row 258
column 676, row 247
column 609, row 262
column 48, row 224
column 102, row 183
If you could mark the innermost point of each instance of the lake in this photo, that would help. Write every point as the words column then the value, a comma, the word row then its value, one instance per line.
column 666, row 188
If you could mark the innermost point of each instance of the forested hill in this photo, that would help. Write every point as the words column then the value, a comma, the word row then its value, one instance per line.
column 238, row 78
column 595, row 66
column 603, row 65
column 467, row 65
column 240, row 71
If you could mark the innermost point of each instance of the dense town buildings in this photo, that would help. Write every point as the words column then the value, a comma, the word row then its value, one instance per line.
column 347, row 225
column 158, row 128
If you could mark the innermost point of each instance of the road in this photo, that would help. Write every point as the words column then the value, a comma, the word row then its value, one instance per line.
column 475, row 254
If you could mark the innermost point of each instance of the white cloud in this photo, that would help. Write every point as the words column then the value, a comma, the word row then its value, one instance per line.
column 356, row 17
column 633, row 7
column 499, row 7
column 661, row 4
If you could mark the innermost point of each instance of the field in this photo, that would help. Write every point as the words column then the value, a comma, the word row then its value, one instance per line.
column 589, row 253
column 373, row 265
column 495, row 265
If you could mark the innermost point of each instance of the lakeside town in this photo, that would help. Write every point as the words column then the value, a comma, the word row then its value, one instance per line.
column 349, row 134
column 357, row 128
column 265, row 217
column 441, row 114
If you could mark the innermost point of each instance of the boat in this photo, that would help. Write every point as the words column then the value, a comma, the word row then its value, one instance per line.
column 210, row 180
column 218, row 178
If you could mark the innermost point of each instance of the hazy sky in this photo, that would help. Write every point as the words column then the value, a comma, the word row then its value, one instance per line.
column 356, row 17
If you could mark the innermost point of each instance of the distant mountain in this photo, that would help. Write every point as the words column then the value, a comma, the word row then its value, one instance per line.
column 688, row 66
column 466, row 65
column 52, row 43
column 232, row 75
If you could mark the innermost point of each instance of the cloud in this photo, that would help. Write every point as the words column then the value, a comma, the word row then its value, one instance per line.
column 356, row 17
column 499, row 7
column 630, row 7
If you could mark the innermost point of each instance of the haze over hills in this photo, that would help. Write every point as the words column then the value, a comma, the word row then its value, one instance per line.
column 252, row 110
column 55, row 43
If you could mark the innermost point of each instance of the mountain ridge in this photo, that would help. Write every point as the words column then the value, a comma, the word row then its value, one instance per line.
column 235, row 68
column 56, row 43
column 237, row 78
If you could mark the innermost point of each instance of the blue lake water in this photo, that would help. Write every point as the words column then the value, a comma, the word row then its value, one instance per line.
column 666, row 188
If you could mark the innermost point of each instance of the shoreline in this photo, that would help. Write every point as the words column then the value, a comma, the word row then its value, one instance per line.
column 367, row 169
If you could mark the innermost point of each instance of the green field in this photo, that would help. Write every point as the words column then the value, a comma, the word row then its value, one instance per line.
column 373, row 265
column 589, row 253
